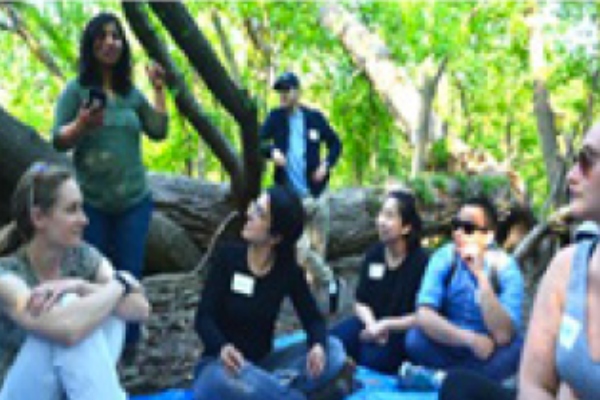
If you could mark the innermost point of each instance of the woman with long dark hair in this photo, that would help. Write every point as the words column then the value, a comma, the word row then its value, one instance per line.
column 239, row 307
column 389, row 280
column 62, row 305
column 101, row 116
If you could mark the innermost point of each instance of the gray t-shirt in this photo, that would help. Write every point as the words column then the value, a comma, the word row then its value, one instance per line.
column 80, row 262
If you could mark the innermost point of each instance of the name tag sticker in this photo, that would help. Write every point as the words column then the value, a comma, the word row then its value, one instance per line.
column 569, row 331
column 376, row 271
column 242, row 284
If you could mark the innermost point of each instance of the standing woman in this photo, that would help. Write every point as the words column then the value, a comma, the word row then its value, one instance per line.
column 101, row 116
column 389, row 280
column 59, row 298
column 240, row 305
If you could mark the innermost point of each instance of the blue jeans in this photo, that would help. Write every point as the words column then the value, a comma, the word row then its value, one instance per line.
column 260, row 381
column 384, row 358
column 503, row 363
column 122, row 239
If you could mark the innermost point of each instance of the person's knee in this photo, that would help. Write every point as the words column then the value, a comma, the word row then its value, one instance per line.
column 336, row 354
column 212, row 380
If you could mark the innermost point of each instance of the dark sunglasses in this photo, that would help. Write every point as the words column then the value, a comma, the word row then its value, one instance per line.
column 586, row 159
column 467, row 227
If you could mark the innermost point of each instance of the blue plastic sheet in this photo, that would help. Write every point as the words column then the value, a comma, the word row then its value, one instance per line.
column 376, row 386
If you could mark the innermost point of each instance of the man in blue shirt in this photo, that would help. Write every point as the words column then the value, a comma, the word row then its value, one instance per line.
column 292, row 136
column 470, row 301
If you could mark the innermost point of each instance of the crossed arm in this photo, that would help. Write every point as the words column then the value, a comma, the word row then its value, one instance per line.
column 70, row 323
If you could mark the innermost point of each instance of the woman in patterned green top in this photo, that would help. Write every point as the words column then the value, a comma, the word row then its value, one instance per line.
column 61, row 303
column 104, row 132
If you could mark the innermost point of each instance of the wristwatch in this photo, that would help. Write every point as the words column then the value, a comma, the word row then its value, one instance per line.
column 119, row 276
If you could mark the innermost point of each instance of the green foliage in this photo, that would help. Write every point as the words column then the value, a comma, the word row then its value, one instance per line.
column 486, row 96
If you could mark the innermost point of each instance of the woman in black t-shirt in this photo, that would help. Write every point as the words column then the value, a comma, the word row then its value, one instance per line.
column 385, row 297
column 239, row 307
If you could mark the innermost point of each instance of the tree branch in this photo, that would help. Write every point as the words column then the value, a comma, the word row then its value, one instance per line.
column 226, row 47
column 184, row 99
column 198, row 50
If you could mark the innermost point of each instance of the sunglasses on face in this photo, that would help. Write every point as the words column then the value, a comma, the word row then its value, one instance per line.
column 467, row 227
column 585, row 160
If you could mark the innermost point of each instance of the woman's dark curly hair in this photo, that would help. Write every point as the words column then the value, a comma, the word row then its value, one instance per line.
column 89, row 69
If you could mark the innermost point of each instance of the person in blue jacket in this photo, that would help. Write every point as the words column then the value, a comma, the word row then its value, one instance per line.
column 292, row 136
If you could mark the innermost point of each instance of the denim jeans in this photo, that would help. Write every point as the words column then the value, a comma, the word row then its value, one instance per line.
column 44, row 370
column 384, row 358
column 122, row 239
column 260, row 381
column 503, row 362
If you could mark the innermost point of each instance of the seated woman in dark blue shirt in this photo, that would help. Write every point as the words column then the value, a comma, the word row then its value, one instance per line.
column 239, row 307
column 385, row 297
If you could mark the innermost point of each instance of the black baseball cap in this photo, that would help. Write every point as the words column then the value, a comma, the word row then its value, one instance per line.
column 286, row 81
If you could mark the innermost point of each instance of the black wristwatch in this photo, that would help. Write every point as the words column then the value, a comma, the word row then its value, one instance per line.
column 119, row 276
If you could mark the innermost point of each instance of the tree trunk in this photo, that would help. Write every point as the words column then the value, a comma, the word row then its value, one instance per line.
column 428, row 91
column 391, row 82
column 544, row 114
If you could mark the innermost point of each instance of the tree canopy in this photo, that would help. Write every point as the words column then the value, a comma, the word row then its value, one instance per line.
column 485, row 97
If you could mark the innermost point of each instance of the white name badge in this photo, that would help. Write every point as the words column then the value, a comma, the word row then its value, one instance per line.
column 242, row 284
column 376, row 271
column 313, row 135
column 569, row 331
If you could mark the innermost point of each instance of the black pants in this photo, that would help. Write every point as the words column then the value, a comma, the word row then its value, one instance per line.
column 469, row 385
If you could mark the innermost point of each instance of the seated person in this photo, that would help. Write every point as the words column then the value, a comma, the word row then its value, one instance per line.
column 59, row 298
column 389, row 280
column 562, row 351
column 239, row 306
column 469, row 304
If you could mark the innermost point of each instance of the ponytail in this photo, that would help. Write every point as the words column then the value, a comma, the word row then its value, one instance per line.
column 10, row 239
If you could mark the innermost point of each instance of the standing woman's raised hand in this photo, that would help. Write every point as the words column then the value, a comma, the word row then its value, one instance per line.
column 156, row 75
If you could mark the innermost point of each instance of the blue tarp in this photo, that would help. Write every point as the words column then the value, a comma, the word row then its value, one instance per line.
column 376, row 386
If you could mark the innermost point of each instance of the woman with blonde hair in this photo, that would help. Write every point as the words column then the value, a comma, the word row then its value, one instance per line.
column 62, row 305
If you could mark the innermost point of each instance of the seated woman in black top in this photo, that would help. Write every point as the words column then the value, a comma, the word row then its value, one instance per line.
column 239, row 306
column 385, row 297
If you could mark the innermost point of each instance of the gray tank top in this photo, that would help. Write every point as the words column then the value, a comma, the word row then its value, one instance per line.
column 574, row 362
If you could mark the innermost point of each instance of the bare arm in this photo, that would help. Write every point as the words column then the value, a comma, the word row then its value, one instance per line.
column 537, row 378
column 496, row 319
column 67, row 324
column 364, row 313
column 440, row 329
column 399, row 324
column 135, row 306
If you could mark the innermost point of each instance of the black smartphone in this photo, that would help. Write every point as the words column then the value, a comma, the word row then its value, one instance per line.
column 96, row 97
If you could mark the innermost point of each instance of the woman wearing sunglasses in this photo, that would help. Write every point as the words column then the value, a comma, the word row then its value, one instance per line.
column 469, row 304
column 59, row 298
column 240, row 304
column 561, row 358
column 390, row 277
